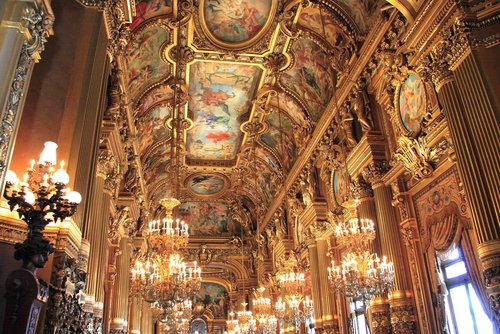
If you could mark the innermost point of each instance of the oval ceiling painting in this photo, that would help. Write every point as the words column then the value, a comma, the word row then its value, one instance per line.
column 236, row 23
column 206, row 184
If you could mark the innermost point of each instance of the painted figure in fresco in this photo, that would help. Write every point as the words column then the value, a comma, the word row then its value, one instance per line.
column 147, row 9
column 216, row 98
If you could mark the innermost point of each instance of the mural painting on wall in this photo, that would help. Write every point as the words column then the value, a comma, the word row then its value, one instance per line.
column 311, row 78
column 206, row 184
column 214, row 298
column 412, row 103
column 263, row 154
column 280, row 138
column 340, row 185
column 152, row 127
column 144, row 66
column 235, row 21
column 220, row 101
column 154, row 96
column 206, row 218
column 311, row 18
column 363, row 12
column 147, row 9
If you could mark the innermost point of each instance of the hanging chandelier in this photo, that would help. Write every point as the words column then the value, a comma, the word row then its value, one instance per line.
column 361, row 275
column 294, row 306
column 232, row 324
column 166, row 282
column 262, row 307
column 166, row 236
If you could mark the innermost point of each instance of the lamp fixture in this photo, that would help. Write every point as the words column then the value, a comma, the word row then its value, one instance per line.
column 40, row 198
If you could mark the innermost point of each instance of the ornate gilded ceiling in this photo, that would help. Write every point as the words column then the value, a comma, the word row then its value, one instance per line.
column 253, row 79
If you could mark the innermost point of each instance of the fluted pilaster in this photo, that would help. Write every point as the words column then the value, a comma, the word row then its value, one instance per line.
column 329, row 313
column 317, row 295
column 119, row 313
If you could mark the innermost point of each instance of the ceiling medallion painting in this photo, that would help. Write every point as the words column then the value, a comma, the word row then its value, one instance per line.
column 236, row 23
column 145, row 67
column 208, row 219
column 220, row 101
column 311, row 77
column 206, row 184
column 412, row 103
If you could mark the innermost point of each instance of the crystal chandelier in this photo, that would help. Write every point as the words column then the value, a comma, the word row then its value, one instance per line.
column 232, row 324
column 361, row 275
column 246, row 321
column 166, row 236
column 266, row 321
column 296, row 306
column 166, row 282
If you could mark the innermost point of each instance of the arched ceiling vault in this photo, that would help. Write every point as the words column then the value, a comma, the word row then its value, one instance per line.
column 253, row 79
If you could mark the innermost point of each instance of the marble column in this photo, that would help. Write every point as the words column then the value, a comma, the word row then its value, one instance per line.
column 469, row 107
column 403, row 318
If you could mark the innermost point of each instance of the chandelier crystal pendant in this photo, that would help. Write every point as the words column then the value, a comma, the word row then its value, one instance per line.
column 361, row 275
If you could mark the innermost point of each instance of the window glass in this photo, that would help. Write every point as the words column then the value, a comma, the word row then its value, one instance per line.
column 461, row 310
column 455, row 270
column 483, row 323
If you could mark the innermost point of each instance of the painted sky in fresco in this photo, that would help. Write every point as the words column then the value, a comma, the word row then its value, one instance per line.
column 235, row 21
column 311, row 77
column 144, row 65
column 220, row 101
column 208, row 218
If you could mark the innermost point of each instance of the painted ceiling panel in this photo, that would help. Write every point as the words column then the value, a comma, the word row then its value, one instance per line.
column 321, row 23
column 208, row 219
column 147, row 9
column 235, row 21
column 296, row 112
column 155, row 162
column 311, row 77
column 280, row 138
column 362, row 11
column 220, row 101
column 152, row 127
column 153, row 97
column 145, row 67
column 261, row 178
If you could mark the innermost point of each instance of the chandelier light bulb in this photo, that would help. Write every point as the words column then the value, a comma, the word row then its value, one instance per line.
column 48, row 155
column 74, row 197
column 11, row 178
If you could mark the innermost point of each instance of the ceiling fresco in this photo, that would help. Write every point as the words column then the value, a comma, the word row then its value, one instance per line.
column 231, row 22
column 312, row 77
column 219, row 102
column 255, row 79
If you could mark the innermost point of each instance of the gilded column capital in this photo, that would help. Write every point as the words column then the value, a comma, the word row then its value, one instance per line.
column 435, row 68
column 360, row 188
column 375, row 171
column 109, row 169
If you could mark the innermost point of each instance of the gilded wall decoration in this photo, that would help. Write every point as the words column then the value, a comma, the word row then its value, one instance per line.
column 145, row 66
column 311, row 77
column 411, row 100
column 206, row 184
column 208, row 219
column 220, row 101
column 236, row 23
